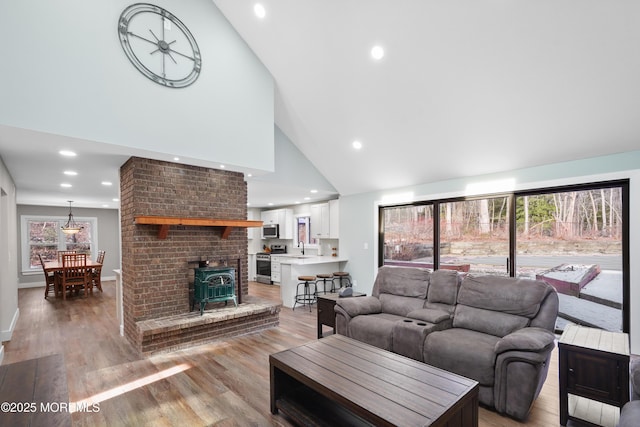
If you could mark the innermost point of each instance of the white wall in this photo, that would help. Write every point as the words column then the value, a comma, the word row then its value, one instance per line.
column 65, row 73
column 359, row 213
column 8, row 257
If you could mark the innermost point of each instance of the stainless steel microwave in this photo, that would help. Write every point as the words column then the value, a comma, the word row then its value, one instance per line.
column 270, row 231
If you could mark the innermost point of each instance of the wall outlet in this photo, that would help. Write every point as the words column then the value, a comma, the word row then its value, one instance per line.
column 366, row 245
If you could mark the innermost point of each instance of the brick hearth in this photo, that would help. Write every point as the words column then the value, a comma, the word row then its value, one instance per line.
column 183, row 330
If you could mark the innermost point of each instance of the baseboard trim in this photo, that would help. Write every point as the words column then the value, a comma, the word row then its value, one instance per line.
column 7, row 334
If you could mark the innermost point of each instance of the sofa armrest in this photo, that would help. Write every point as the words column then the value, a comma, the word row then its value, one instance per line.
column 526, row 339
column 356, row 306
column 634, row 378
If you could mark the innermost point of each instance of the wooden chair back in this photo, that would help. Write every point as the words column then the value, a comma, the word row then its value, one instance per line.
column 100, row 258
column 49, row 279
column 74, row 272
column 61, row 253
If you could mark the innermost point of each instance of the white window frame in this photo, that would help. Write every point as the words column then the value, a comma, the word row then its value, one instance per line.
column 61, row 220
column 307, row 244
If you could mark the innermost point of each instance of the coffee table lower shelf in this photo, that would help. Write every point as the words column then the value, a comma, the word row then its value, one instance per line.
column 307, row 408
column 340, row 381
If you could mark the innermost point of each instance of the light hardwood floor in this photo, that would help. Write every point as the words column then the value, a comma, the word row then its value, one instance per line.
column 224, row 383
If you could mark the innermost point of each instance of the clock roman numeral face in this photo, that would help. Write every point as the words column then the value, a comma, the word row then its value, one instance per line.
column 159, row 45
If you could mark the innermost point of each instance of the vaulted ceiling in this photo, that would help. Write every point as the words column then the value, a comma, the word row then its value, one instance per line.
column 465, row 87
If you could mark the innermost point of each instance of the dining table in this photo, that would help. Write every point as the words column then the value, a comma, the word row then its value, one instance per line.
column 57, row 268
column 53, row 266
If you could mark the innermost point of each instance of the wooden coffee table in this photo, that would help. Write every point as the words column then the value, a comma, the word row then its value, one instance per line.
column 340, row 381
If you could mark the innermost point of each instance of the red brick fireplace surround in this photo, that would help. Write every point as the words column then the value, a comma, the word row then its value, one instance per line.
column 156, row 271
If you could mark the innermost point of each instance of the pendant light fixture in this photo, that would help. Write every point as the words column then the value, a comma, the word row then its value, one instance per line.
column 71, row 227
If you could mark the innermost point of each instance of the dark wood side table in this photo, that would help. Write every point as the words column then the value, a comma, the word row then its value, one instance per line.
column 593, row 364
column 326, row 314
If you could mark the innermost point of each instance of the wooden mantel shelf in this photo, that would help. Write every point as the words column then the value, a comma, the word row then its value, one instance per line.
column 165, row 221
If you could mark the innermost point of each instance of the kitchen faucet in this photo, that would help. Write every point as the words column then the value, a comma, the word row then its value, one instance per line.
column 302, row 246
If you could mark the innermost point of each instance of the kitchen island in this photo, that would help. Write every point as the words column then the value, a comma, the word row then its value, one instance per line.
column 293, row 266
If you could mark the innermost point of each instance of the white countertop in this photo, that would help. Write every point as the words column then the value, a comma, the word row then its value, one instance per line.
column 309, row 259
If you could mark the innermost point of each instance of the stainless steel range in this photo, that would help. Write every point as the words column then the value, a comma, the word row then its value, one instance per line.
column 263, row 263
column 263, row 268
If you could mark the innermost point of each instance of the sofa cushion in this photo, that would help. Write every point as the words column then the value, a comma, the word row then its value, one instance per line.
column 443, row 287
column 521, row 297
column 487, row 321
column 429, row 315
column 440, row 306
column 464, row 352
column 399, row 305
column 374, row 329
column 402, row 281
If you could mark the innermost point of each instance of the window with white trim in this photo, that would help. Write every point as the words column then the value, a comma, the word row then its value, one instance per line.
column 43, row 236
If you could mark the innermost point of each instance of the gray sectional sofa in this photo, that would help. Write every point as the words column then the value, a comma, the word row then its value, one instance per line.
column 630, row 414
column 496, row 330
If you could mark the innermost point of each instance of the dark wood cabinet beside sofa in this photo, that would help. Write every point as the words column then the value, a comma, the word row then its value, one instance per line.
column 593, row 364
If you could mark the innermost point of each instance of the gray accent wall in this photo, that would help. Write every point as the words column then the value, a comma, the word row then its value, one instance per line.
column 108, row 238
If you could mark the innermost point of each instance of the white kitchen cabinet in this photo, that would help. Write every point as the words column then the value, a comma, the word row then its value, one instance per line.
column 282, row 217
column 334, row 219
column 253, row 232
column 275, row 269
column 320, row 221
column 269, row 217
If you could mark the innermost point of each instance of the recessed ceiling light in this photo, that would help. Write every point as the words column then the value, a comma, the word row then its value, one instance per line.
column 67, row 153
column 307, row 198
column 107, row 183
column 297, row 202
column 314, row 191
column 176, row 158
column 357, row 145
column 222, row 166
column 105, row 206
column 70, row 173
column 249, row 175
column 377, row 52
column 65, row 185
column 259, row 10
column 270, row 204
column 116, row 200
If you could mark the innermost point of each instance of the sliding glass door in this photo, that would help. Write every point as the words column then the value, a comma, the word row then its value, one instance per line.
column 575, row 238
column 574, row 241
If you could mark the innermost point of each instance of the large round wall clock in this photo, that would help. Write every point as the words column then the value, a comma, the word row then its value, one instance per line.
column 159, row 45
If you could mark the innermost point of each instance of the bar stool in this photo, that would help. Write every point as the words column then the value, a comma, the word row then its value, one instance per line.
column 306, row 297
column 324, row 278
column 342, row 275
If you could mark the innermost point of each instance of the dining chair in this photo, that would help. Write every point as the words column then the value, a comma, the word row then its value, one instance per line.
column 96, row 272
column 61, row 253
column 75, row 274
column 49, row 280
